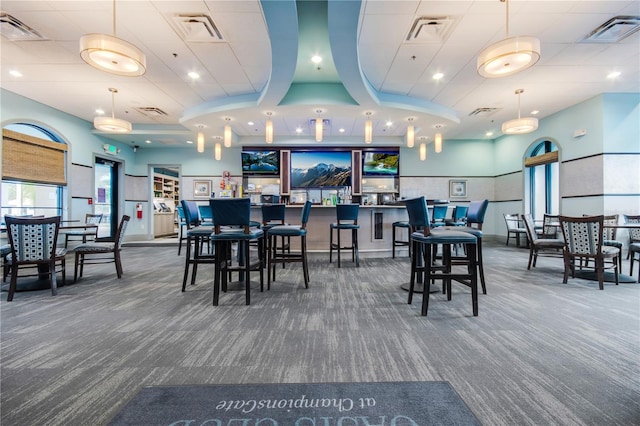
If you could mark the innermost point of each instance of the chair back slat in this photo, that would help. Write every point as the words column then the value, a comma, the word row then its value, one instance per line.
column 33, row 239
column 582, row 235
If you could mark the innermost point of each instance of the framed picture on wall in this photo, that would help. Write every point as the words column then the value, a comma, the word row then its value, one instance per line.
column 457, row 188
column 201, row 188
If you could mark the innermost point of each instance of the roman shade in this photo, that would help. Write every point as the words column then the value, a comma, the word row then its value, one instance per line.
column 538, row 160
column 29, row 159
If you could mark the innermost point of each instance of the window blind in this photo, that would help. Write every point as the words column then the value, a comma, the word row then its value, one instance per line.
column 538, row 160
column 29, row 159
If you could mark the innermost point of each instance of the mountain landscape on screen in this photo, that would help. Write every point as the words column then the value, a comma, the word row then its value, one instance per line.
column 320, row 174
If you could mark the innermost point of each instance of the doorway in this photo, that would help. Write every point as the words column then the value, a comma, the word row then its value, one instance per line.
column 106, row 197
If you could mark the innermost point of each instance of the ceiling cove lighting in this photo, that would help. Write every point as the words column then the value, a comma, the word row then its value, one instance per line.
column 112, row 124
column 423, row 151
column 410, row 133
column 112, row 54
column 268, row 129
column 520, row 126
column 227, row 133
column 508, row 56
column 200, row 139
column 368, row 129
column 437, row 140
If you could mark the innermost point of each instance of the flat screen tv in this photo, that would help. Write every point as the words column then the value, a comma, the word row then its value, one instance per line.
column 314, row 169
column 380, row 163
column 261, row 162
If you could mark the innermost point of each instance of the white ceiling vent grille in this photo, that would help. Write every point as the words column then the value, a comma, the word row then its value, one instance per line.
column 151, row 112
column 198, row 27
column 430, row 30
column 614, row 30
column 15, row 30
column 483, row 112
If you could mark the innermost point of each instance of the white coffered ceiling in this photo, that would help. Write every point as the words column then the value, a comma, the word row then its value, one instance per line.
column 372, row 62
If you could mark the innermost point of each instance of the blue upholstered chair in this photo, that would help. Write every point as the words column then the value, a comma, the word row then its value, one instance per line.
column 475, row 219
column 395, row 241
column 206, row 217
column 197, row 236
column 439, row 215
column 92, row 253
column 32, row 243
column 459, row 216
column 232, row 224
column 347, row 220
column 273, row 215
column 425, row 241
column 182, row 227
column 283, row 257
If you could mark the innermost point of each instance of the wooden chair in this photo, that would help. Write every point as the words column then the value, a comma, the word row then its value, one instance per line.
column 347, row 220
column 87, row 232
column 33, row 244
column 107, row 252
column 583, row 239
column 514, row 230
column 551, row 247
column 634, row 249
column 634, row 233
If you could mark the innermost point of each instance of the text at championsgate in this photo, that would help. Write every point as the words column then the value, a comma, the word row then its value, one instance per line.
column 247, row 406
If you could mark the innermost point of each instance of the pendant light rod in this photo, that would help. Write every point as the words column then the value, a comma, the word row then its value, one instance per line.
column 507, row 18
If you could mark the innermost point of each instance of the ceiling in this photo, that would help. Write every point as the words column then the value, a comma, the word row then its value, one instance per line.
column 379, row 56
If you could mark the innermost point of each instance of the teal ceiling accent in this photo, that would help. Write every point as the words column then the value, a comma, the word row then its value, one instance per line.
column 317, row 93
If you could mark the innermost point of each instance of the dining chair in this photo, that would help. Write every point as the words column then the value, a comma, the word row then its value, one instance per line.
column 396, row 240
column 551, row 247
column 347, row 220
column 458, row 217
column 424, row 242
column 439, row 215
column 273, row 215
column 634, row 233
column 197, row 236
column 206, row 216
column 33, row 243
column 634, row 249
column 283, row 257
column 232, row 225
column 583, row 237
column 182, row 228
column 514, row 230
column 88, row 232
column 103, row 252
column 550, row 227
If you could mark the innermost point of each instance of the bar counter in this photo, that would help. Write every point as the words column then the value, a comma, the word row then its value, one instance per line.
column 374, row 235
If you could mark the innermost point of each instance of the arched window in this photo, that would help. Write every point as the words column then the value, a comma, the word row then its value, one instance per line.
column 33, row 171
column 542, row 180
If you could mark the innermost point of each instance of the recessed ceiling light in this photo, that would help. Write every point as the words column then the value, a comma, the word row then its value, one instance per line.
column 194, row 75
column 298, row 129
column 189, row 142
column 535, row 112
column 316, row 59
column 147, row 141
column 15, row 73
column 489, row 134
column 341, row 130
column 438, row 76
column 99, row 111
column 389, row 123
column 614, row 74
column 250, row 123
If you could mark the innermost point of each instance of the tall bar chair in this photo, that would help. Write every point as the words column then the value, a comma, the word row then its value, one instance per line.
column 347, row 220
column 396, row 242
column 197, row 236
column 273, row 215
column 232, row 218
column 287, row 257
column 425, row 241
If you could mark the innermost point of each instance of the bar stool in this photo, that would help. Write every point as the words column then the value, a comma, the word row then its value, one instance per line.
column 197, row 235
column 347, row 219
column 273, row 215
column 397, row 242
column 424, row 241
column 439, row 215
column 288, row 257
column 234, row 214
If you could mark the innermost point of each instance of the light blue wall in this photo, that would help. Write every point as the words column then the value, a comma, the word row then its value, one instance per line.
column 458, row 158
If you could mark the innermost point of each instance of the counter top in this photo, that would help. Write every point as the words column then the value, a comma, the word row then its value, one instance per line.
column 315, row 206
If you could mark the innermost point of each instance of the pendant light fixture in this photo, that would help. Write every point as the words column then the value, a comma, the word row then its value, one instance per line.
column 508, row 56
column 437, row 141
column 319, row 123
column 227, row 133
column 410, row 133
column 217, row 151
column 520, row 126
column 112, row 54
column 423, row 151
column 368, row 129
column 268, row 129
column 200, row 139
column 112, row 124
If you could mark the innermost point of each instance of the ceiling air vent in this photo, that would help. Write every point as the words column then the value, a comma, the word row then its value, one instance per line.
column 152, row 112
column 16, row 30
column 483, row 112
column 614, row 30
column 197, row 27
column 430, row 30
